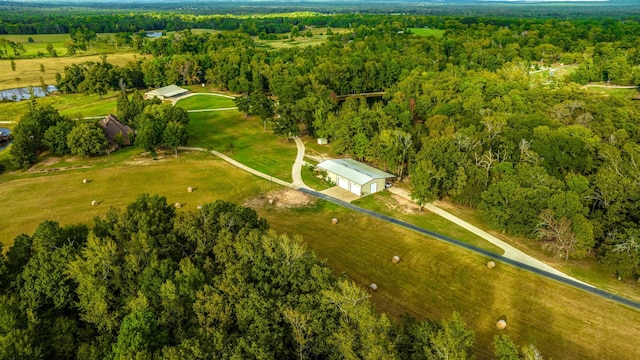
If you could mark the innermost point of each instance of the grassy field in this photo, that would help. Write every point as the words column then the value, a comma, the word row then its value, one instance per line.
column 244, row 140
column 588, row 270
column 319, row 36
column 202, row 101
column 427, row 32
column 434, row 279
column 28, row 70
column 68, row 104
column 116, row 181
column 384, row 203
column 39, row 44
column 627, row 93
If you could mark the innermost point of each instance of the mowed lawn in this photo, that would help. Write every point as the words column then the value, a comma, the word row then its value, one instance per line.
column 28, row 70
column 427, row 32
column 434, row 279
column 206, row 101
column 243, row 139
column 62, row 196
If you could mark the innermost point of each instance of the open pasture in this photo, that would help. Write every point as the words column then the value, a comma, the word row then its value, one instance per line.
column 70, row 105
column 319, row 36
column 62, row 196
column 39, row 45
column 28, row 70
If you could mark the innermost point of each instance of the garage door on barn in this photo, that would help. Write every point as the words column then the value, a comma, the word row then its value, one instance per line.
column 355, row 177
column 343, row 183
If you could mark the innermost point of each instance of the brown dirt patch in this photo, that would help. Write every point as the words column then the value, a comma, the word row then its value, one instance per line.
column 147, row 159
column 401, row 204
column 282, row 199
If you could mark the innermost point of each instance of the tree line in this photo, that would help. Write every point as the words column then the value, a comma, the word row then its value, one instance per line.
column 147, row 282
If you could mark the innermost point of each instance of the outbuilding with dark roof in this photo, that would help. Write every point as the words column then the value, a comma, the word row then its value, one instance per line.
column 117, row 133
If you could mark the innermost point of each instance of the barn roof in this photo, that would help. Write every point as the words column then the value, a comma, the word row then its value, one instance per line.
column 353, row 170
column 167, row 91
column 112, row 127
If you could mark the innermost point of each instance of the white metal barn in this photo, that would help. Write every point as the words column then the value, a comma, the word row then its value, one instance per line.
column 354, row 176
column 166, row 92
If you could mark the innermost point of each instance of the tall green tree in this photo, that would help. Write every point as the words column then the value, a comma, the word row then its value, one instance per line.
column 174, row 135
column 87, row 139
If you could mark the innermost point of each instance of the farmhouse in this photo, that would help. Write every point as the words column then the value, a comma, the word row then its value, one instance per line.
column 166, row 92
column 354, row 176
column 117, row 133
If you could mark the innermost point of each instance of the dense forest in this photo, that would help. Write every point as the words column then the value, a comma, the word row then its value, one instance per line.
column 149, row 283
column 464, row 116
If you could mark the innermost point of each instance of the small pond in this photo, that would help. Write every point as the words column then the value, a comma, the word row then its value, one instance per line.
column 22, row 93
column 154, row 34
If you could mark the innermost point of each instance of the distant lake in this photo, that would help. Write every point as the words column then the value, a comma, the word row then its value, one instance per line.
column 154, row 34
column 18, row 94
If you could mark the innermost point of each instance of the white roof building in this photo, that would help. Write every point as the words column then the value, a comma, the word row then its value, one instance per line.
column 165, row 92
column 354, row 176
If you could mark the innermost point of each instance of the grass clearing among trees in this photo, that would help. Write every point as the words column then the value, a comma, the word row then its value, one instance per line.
column 318, row 36
column 28, row 70
column 205, row 101
column 40, row 42
column 427, row 32
column 243, row 139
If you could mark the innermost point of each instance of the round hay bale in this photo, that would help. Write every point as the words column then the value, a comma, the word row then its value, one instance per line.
column 334, row 221
column 94, row 203
column 178, row 205
column 199, row 207
column 395, row 259
column 373, row 287
column 501, row 324
column 85, row 181
column 189, row 189
column 491, row 264
column 271, row 201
